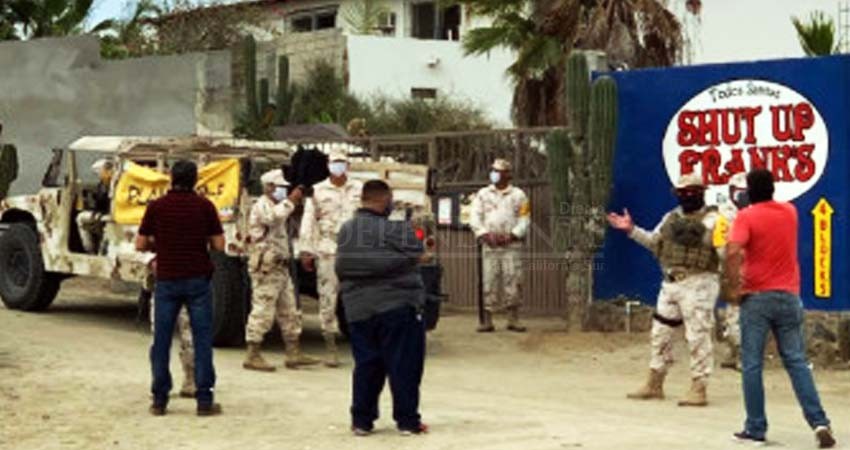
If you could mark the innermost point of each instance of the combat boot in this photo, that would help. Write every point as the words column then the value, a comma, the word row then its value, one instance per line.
column 513, row 320
column 696, row 394
column 732, row 359
column 653, row 389
column 486, row 325
column 332, row 358
column 294, row 357
column 254, row 360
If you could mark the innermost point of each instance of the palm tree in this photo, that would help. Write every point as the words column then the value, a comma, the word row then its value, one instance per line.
column 130, row 37
column 44, row 18
column 364, row 16
column 542, row 33
column 817, row 36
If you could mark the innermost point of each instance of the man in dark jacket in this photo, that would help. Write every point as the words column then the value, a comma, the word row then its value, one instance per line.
column 382, row 291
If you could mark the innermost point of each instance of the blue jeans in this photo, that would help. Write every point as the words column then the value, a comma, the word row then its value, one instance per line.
column 388, row 345
column 780, row 313
column 170, row 296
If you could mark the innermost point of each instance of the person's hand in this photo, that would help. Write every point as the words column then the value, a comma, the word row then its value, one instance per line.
column 308, row 261
column 296, row 195
column 621, row 222
column 426, row 258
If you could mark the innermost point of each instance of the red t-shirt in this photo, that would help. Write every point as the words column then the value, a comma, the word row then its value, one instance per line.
column 181, row 223
column 768, row 233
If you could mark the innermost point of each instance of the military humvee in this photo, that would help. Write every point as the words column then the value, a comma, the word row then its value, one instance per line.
column 41, row 245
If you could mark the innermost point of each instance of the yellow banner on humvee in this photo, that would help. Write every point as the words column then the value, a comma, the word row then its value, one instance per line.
column 139, row 185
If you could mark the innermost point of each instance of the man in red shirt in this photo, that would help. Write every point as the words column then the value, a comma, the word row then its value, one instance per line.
column 764, row 237
column 181, row 228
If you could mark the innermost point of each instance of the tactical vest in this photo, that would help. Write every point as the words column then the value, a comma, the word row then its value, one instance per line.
column 686, row 244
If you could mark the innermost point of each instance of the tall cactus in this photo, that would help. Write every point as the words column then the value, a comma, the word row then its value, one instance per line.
column 264, row 98
column 580, row 166
column 8, row 168
column 250, row 61
column 285, row 92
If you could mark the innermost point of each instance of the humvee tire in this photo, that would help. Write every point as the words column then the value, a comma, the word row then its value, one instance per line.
column 231, row 300
column 24, row 284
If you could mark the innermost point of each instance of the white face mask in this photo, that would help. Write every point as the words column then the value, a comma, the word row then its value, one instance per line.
column 495, row 177
column 338, row 168
column 279, row 193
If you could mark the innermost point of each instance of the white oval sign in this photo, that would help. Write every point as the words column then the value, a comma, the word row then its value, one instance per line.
column 744, row 124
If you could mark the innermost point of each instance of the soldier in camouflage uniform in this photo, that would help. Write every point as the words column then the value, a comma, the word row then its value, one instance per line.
column 500, row 218
column 187, row 350
column 728, row 210
column 268, row 265
column 333, row 203
column 683, row 244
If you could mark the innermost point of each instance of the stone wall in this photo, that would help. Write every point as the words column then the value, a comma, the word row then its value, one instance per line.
column 52, row 91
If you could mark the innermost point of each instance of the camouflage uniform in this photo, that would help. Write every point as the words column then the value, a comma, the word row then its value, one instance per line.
column 688, row 294
column 324, row 214
column 268, row 264
column 187, row 350
column 504, row 212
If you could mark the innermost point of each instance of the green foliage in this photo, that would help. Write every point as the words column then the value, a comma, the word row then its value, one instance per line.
column 286, row 92
column 578, row 94
column 363, row 16
column 411, row 116
column 559, row 151
column 249, row 59
column 264, row 96
column 44, row 18
column 129, row 37
column 323, row 97
column 817, row 36
column 8, row 168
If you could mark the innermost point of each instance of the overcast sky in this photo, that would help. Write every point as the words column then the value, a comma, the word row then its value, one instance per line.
column 731, row 30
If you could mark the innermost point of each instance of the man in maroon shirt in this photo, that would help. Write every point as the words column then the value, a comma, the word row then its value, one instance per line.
column 181, row 228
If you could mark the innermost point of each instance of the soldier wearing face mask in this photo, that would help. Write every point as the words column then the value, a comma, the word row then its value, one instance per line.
column 738, row 200
column 268, row 264
column 334, row 202
column 500, row 218
column 684, row 246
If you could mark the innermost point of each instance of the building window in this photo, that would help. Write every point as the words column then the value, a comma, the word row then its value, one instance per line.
column 430, row 21
column 423, row 93
column 306, row 21
column 387, row 23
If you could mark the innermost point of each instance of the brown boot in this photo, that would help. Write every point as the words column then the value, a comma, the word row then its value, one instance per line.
column 653, row 389
column 486, row 325
column 254, row 360
column 513, row 320
column 696, row 394
column 294, row 357
column 332, row 358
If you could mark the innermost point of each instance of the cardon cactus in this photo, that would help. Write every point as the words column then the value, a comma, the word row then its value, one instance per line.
column 8, row 168
column 264, row 98
column 580, row 167
column 250, row 61
column 285, row 92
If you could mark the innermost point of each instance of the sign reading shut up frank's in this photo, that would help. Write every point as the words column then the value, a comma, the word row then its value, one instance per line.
column 744, row 124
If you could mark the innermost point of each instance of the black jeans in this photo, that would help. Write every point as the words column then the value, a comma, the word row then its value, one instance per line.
column 170, row 296
column 388, row 345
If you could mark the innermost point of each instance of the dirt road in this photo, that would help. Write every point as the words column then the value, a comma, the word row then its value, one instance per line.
column 77, row 377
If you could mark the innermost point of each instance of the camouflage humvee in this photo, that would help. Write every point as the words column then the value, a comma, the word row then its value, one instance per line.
column 40, row 240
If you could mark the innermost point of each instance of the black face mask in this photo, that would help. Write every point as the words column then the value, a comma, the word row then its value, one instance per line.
column 691, row 203
column 741, row 199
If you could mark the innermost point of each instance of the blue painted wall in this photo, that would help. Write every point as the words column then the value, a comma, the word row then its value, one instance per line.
column 649, row 99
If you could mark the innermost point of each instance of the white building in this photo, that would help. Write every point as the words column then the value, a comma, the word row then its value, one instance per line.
column 415, row 51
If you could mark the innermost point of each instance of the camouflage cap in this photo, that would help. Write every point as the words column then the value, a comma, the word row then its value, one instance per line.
column 273, row 177
column 501, row 165
column 690, row 180
column 338, row 155
column 739, row 180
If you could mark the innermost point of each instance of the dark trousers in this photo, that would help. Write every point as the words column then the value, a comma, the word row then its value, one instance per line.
column 388, row 345
column 170, row 296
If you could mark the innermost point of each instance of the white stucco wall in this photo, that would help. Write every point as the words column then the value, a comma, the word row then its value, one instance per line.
column 392, row 66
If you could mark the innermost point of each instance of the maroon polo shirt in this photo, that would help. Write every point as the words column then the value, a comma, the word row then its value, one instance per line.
column 181, row 223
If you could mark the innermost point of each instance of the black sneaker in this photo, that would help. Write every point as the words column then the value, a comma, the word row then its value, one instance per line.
column 823, row 434
column 157, row 409
column 209, row 410
column 745, row 437
column 421, row 429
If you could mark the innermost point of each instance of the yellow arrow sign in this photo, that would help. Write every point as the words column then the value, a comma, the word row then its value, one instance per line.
column 822, row 213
